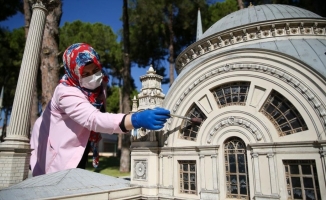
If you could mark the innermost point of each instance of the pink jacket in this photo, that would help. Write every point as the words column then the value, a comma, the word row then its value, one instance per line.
column 60, row 134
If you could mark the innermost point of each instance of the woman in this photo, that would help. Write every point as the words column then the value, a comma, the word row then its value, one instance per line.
column 71, row 122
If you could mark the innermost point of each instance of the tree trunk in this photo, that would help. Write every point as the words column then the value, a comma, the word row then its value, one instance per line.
column 240, row 4
column 120, row 135
column 171, row 47
column 125, row 152
column 27, row 16
column 34, row 108
column 49, row 54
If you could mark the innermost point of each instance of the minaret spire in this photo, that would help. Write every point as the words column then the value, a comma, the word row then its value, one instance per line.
column 199, row 26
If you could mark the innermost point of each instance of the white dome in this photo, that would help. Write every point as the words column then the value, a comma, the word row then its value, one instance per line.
column 255, row 14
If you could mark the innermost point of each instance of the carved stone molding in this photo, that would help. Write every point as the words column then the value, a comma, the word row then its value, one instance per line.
column 140, row 170
column 258, row 31
column 287, row 78
column 322, row 153
column 254, row 155
column 47, row 5
column 270, row 155
column 234, row 121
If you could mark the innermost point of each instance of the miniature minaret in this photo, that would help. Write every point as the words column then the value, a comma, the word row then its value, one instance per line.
column 151, row 94
column 199, row 26
column 134, row 105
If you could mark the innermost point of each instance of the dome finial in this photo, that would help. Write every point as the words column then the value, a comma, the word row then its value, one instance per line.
column 199, row 26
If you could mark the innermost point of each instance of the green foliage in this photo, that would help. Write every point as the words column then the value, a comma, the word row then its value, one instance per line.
column 9, row 8
column 221, row 9
column 12, row 46
column 112, row 101
column 150, row 23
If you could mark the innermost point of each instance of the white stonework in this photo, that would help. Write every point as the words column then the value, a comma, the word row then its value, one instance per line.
column 282, row 49
column 15, row 150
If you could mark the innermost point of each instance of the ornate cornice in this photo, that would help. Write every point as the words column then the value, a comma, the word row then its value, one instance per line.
column 47, row 5
column 286, row 77
column 234, row 121
column 254, row 155
column 257, row 31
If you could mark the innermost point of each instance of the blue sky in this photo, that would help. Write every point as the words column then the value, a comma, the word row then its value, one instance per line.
column 107, row 12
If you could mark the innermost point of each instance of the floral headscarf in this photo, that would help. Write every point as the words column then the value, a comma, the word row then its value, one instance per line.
column 74, row 60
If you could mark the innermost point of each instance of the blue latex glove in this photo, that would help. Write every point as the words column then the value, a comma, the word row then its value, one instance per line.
column 152, row 119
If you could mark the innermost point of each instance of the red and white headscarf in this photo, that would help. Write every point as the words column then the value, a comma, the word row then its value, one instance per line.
column 74, row 60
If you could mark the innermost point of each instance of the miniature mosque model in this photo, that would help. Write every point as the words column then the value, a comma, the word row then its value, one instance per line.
column 257, row 79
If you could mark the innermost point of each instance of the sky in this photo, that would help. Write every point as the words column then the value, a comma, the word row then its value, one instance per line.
column 107, row 12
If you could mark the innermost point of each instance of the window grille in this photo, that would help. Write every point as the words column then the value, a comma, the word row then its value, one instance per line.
column 234, row 93
column 301, row 179
column 236, row 169
column 188, row 173
column 188, row 129
column 283, row 114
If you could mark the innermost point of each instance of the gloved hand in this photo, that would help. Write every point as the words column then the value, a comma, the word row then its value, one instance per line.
column 152, row 119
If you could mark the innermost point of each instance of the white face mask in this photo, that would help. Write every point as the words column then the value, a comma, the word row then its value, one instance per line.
column 93, row 81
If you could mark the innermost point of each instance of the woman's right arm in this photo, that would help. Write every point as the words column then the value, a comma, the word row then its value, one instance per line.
column 76, row 106
column 74, row 103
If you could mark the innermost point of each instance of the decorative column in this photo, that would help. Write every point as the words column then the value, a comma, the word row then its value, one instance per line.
column 15, row 150
column 202, row 172
column 212, row 192
column 272, row 174
column 171, row 171
column 161, row 170
column 214, row 168
column 323, row 161
column 256, row 173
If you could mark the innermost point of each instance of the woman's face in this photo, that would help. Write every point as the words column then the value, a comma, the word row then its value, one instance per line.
column 89, row 70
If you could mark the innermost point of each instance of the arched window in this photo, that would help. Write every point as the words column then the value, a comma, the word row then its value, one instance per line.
column 234, row 93
column 236, row 169
column 188, row 129
column 283, row 114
